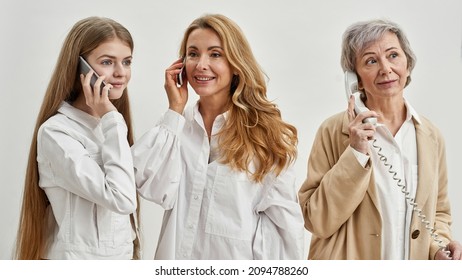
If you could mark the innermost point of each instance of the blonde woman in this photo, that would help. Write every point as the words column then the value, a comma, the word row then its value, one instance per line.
column 222, row 168
column 80, row 195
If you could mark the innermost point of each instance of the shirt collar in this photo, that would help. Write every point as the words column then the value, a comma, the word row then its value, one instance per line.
column 78, row 115
column 197, row 115
column 411, row 112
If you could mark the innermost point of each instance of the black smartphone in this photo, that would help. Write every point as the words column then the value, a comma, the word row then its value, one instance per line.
column 181, row 75
column 85, row 68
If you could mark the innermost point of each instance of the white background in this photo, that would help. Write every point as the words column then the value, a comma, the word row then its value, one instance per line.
column 297, row 43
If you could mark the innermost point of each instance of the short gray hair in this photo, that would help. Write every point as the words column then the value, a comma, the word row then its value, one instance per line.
column 360, row 35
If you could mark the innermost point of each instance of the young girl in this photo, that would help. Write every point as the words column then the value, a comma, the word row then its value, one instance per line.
column 80, row 198
column 222, row 169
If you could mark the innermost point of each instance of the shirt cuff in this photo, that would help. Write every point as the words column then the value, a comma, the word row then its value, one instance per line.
column 111, row 119
column 362, row 158
column 173, row 121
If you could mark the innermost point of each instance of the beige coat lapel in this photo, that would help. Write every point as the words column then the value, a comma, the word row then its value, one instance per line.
column 427, row 156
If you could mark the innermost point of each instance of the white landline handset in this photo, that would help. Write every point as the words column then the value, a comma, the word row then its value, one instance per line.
column 351, row 88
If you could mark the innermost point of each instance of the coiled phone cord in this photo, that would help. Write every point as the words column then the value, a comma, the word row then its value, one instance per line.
column 410, row 200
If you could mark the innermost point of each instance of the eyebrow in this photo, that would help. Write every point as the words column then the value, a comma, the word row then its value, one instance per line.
column 113, row 57
column 209, row 48
column 389, row 49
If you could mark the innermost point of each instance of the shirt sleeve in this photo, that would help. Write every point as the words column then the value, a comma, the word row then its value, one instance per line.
column 157, row 161
column 280, row 231
column 74, row 168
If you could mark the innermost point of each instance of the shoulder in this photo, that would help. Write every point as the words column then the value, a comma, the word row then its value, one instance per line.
column 335, row 124
column 428, row 127
column 58, row 121
column 424, row 121
column 337, row 119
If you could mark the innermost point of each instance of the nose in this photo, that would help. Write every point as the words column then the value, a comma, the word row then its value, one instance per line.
column 119, row 70
column 385, row 67
column 202, row 63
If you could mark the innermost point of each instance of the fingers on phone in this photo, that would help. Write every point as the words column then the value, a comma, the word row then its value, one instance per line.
column 106, row 89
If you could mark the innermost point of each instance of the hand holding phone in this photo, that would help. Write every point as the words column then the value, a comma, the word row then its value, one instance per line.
column 180, row 77
column 351, row 88
column 84, row 68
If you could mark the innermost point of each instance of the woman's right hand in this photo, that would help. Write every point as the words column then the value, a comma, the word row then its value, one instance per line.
column 96, row 99
column 360, row 133
column 177, row 96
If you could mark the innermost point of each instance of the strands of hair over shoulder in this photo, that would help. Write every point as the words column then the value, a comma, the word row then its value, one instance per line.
column 86, row 35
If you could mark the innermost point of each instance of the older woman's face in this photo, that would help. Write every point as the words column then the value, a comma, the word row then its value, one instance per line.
column 382, row 67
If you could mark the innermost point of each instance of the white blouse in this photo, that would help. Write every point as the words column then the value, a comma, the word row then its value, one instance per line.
column 212, row 211
column 86, row 171
column 396, row 212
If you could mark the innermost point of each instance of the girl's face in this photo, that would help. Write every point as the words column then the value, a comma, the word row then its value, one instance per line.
column 207, row 68
column 112, row 59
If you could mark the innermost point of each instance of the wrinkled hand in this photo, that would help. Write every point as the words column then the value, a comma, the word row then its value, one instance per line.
column 177, row 96
column 360, row 133
column 456, row 252
column 99, row 103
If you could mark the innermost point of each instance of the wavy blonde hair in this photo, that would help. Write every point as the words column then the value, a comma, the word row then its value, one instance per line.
column 254, row 130
column 85, row 36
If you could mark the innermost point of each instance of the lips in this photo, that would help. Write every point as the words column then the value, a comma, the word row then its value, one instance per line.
column 203, row 78
column 387, row 82
column 117, row 85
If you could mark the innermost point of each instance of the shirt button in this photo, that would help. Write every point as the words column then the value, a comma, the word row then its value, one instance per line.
column 191, row 226
column 415, row 234
column 196, row 197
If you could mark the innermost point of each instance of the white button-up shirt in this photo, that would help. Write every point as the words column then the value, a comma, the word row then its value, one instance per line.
column 401, row 152
column 212, row 211
column 86, row 171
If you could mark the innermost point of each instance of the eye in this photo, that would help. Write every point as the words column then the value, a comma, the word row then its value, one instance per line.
column 127, row 62
column 370, row 61
column 394, row 55
column 106, row 62
column 216, row 54
column 192, row 54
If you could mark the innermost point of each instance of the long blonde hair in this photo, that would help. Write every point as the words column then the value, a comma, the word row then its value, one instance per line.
column 254, row 130
column 86, row 35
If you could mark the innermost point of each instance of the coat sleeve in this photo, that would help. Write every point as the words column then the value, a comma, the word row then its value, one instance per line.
column 443, row 219
column 280, row 233
column 157, row 161
column 336, row 182
column 74, row 169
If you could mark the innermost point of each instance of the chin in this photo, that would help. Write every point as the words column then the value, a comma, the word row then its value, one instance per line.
column 115, row 94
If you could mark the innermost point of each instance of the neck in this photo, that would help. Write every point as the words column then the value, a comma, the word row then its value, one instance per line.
column 209, row 110
column 392, row 112
column 81, row 104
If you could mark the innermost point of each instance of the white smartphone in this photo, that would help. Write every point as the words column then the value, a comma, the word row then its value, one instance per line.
column 85, row 68
column 181, row 75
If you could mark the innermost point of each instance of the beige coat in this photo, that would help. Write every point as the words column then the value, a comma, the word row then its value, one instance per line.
column 339, row 199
